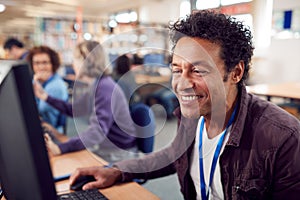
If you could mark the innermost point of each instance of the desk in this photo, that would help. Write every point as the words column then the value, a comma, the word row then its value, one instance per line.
column 142, row 79
column 67, row 163
column 290, row 90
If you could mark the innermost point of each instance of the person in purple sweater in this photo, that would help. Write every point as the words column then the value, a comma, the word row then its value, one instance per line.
column 110, row 132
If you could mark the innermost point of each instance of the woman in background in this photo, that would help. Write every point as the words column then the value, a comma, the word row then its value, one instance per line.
column 45, row 63
column 110, row 132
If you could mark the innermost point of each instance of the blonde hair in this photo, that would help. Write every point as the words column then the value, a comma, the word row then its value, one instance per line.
column 94, row 59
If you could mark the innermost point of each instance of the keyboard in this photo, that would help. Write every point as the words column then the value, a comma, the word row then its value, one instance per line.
column 83, row 195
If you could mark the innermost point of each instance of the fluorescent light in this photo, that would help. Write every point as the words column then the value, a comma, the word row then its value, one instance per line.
column 123, row 18
column 133, row 16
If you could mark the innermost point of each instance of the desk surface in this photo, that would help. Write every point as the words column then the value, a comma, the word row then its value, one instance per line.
column 141, row 79
column 67, row 163
column 284, row 90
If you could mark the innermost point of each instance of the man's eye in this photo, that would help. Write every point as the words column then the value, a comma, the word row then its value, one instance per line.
column 200, row 72
column 176, row 71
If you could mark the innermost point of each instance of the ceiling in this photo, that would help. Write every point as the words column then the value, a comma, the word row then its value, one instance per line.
column 21, row 15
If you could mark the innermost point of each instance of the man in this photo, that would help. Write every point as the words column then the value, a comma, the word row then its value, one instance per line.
column 230, row 144
column 15, row 49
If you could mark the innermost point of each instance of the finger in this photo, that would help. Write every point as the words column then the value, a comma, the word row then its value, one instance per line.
column 92, row 185
column 73, row 177
column 35, row 78
column 47, row 137
column 76, row 174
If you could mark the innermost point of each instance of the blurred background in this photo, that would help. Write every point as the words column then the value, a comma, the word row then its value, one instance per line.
column 61, row 24
column 127, row 26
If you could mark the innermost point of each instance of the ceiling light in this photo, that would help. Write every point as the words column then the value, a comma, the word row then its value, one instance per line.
column 133, row 16
column 112, row 23
column 123, row 18
column 2, row 8
column 87, row 36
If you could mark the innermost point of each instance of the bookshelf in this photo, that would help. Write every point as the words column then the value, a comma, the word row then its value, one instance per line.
column 61, row 35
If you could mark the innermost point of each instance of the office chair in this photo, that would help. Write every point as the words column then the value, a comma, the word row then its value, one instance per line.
column 144, row 121
column 164, row 97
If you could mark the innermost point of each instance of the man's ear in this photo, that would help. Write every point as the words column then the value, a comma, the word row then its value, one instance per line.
column 238, row 72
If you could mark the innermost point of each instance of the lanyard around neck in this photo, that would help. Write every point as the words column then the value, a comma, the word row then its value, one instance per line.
column 204, row 194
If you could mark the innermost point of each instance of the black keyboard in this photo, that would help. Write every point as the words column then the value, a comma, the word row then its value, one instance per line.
column 83, row 195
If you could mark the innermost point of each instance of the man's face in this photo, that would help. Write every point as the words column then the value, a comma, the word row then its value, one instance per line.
column 198, row 73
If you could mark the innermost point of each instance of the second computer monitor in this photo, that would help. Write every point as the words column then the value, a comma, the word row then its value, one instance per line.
column 25, row 172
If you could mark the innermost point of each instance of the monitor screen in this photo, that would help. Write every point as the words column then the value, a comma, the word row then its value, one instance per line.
column 155, row 59
column 25, row 171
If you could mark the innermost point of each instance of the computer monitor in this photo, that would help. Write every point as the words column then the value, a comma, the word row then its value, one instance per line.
column 155, row 60
column 25, row 171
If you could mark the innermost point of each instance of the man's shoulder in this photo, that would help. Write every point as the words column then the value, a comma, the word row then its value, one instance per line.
column 269, row 114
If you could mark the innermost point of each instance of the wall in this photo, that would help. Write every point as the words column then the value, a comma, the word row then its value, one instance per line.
column 159, row 11
column 274, row 64
column 280, row 61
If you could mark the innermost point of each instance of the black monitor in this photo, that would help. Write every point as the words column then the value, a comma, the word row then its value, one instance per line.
column 25, row 171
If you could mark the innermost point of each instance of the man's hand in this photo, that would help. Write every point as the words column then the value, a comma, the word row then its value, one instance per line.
column 105, row 177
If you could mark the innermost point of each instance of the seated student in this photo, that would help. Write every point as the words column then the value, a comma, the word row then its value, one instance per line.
column 230, row 144
column 15, row 49
column 125, row 78
column 110, row 132
column 45, row 63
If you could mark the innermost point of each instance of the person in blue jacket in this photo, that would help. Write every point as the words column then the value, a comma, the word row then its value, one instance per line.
column 45, row 63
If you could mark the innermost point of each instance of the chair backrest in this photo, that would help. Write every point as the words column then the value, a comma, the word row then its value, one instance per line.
column 144, row 120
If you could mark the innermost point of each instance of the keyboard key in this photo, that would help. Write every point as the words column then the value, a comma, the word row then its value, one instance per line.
column 83, row 195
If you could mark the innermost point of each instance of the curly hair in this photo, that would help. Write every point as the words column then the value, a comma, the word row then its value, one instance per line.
column 233, row 36
column 53, row 55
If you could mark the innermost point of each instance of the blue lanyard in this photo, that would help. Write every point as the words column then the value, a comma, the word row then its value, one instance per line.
column 204, row 194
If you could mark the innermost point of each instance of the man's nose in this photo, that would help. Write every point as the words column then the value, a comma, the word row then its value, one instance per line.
column 185, row 83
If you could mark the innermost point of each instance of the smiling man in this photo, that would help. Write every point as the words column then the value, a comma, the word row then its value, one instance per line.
column 229, row 144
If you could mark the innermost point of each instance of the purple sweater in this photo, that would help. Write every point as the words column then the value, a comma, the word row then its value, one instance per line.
column 110, row 123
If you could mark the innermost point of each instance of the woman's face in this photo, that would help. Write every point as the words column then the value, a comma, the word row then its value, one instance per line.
column 42, row 67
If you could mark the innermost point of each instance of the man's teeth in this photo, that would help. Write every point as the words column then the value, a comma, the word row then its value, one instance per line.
column 190, row 98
